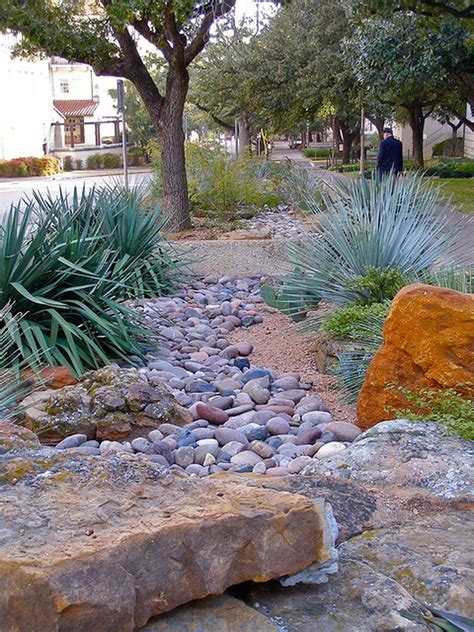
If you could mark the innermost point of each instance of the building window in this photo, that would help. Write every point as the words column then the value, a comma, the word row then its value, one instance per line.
column 74, row 131
column 64, row 86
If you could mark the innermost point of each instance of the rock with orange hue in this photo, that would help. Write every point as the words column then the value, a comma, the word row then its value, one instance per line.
column 428, row 343
column 58, row 376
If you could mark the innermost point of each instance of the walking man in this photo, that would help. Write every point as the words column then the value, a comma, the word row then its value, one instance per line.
column 390, row 156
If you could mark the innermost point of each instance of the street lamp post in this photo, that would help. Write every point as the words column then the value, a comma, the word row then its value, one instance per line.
column 121, row 109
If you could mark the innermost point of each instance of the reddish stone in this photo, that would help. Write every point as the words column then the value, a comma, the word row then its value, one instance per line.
column 211, row 413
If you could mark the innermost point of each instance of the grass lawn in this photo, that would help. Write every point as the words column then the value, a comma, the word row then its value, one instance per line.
column 461, row 192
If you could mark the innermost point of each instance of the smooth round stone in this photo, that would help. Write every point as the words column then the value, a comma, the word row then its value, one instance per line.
column 244, row 348
column 212, row 414
column 327, row 437
column 197, row 470
column 208, row 441
column 111, row 447
column 224, row 457
column 308, row 436
column 257, row 433
column 275, row 442
column 155, row 435
column 317, row 417
column 242, row 398
column 288, row 450
column 241, row 469
column 158, row 459
column 221, row 402
column 163, row 449
column 235, row 423
column 278, row 426
column 238, row 410
column 86, row 449
column 215, row 469
column 286, row 383
column 262, row 416
column 259, row 395
column 202, row 450
column 227, row 385
column 302, row 409
column 199, row 356
column 184, row 437
column 247, row 457
column 330, row 449
column 315, row 447
column 226, row 435
column 259, row 468
column 203, row 433
column 283, row 403
column 298, row 464
column 254, row 373
column 171, row 441
column 269, row 462
column 278, row 411
column 73, row 441
column 140, row 444
column 184, row 456
column 232, row 448
column 160, row 365
column 197, row 424
column 166, row 429
column 170, row 333
column 229, row 353
column 288, row 438
column 221, row 343
column 92, row 443
column 277, row 471
column 306, row 425
column 343, row 431
column 247, row 321
column 294, row 395
column 242, row 363
column 199, row 386
column 262, row 449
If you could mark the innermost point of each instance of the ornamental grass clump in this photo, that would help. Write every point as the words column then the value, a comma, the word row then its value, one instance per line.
column 371, row 234
column 66, row 264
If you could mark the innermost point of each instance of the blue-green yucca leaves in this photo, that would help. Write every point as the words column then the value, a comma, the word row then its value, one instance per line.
column 365, row 225
column 62, row 279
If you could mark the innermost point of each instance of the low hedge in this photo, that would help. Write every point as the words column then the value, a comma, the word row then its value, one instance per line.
column 29, row 166
column 323, row 152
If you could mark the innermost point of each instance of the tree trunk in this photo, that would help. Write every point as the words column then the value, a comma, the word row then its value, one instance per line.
column 348, row 137
column 417, row 124
column 244, row 125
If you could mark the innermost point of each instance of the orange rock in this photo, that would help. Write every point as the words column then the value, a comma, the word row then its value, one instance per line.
column 58, row 376
column 428, row 343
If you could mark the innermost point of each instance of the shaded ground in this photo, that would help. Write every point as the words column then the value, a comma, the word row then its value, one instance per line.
column 279, row 345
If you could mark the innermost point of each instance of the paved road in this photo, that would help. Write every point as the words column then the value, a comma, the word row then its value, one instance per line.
column 13, row 191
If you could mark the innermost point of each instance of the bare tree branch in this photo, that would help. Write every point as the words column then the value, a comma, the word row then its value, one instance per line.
column 211, row 12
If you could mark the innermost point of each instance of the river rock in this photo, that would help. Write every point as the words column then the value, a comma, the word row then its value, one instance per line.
column 428, row 344
column 343, row 431
column 212, row 414
column 330, row 449
column 134, row 533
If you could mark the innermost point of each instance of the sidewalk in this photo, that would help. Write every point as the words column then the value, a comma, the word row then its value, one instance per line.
column 71, row 175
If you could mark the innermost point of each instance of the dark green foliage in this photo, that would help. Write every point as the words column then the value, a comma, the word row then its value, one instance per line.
column 452, row 408
column 111, row 161
column 378, row 285
column 350, row 321
column 66, row 264
column 316, row 153
column 68, row 163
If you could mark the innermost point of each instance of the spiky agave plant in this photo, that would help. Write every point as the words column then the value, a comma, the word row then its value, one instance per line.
column 371, row 225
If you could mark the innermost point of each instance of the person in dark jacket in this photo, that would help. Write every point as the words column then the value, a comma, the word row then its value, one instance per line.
column 390, row 156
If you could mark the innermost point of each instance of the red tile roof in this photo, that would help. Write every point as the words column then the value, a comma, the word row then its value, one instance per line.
column 75, row 107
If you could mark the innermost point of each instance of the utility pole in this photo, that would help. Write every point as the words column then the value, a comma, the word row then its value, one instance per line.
column 121, row 109
column 236, row 132
column 362, row 141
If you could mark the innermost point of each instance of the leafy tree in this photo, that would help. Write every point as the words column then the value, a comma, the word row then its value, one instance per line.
column 106, row 34
column 406, row 71
column 460, row 9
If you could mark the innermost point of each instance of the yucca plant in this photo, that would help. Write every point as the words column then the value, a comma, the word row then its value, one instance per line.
column 366, row 227
column 131, row 223
column 63, row 277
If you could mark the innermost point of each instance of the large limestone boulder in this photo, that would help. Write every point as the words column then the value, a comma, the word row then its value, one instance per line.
column 406, row 455
column 104, row 544
column 428, row 343
column 386, row 576
column 111, row 403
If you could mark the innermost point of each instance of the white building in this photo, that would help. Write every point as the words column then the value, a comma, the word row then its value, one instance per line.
column 469, row 135
column 433, row 133
column 51, row 106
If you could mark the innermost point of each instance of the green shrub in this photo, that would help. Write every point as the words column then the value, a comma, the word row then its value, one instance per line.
column 378, row 285
column 69, row 275
column 68, row 163
column 449, row 147
column 94, row 161
column 30, row 166
column 78, row 164
column 111, row 161
column 452, row 408
column 322, row 152
column 221, row 186
column 350, row 321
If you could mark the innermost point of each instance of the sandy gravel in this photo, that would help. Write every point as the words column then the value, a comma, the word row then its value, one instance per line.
column 279, row 345
column 233, row 257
